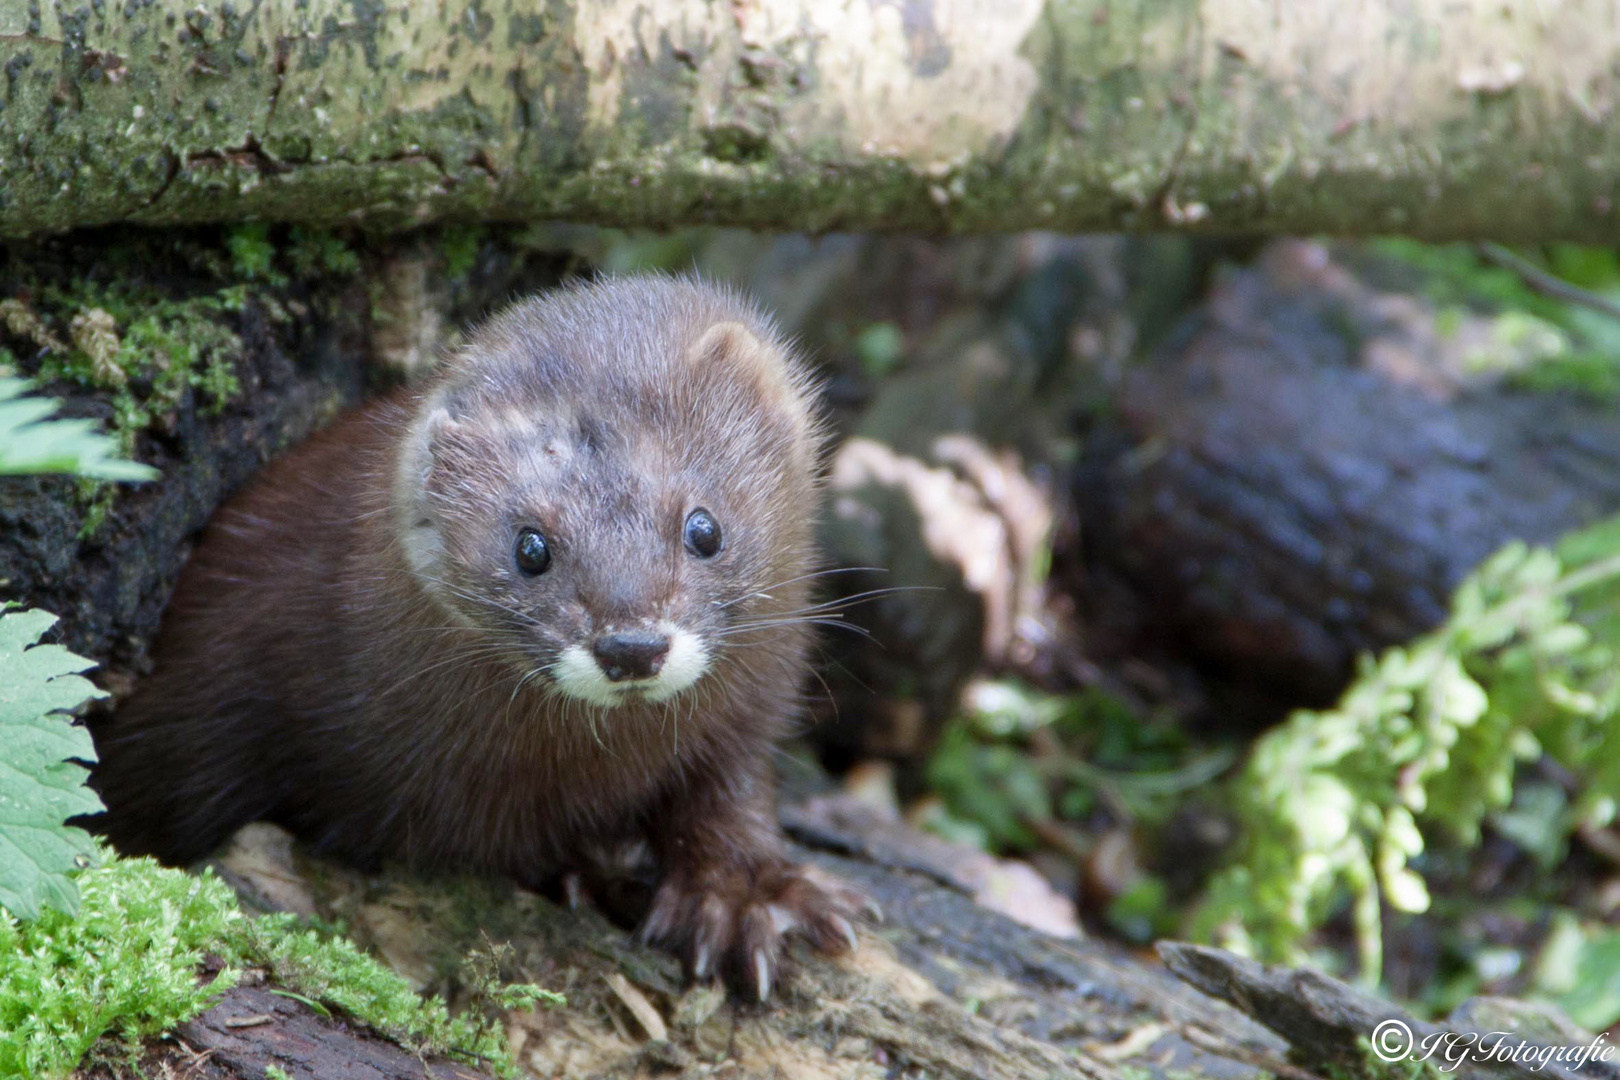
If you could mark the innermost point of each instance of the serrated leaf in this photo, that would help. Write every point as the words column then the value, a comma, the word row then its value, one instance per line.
column 40, row 785
column 30, row 443
column 38, row 678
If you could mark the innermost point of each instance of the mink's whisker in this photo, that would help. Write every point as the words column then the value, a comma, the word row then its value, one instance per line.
column 765, row 589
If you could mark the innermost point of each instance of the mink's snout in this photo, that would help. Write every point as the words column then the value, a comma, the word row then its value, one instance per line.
column 635, row 654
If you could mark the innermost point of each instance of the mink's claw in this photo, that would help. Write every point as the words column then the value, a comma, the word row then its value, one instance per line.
column 762, row 974
column 734, row 924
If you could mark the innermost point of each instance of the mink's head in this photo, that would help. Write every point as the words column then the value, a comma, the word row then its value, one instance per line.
column 612, row 486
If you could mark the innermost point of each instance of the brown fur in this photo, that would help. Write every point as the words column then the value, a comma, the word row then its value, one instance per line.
column 308, row 674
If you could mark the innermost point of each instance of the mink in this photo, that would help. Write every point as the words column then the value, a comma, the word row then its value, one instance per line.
column 553, row 602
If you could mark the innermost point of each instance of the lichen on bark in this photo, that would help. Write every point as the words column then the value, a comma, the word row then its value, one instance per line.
column 941, row 115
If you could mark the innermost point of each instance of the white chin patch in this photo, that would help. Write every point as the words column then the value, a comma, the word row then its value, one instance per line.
column 578, row 675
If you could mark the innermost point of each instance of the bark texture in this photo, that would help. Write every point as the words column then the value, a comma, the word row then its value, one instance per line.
column 1309, row 465
column 251, row 1028
column 943, row 988
column 1333, row 1028
column 1430, row 118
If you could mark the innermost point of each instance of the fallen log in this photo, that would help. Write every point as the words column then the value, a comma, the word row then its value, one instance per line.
column 945, row 116
column 1308, row 465
column 253, row 1027
column 1333, row 1027
column 944, row 987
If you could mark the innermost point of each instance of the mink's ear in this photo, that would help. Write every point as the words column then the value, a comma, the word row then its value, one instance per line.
column 764, row 367
column 735, row 346
column 446, row 437
column 726, row 342
column 444, row 433
column 435, row 439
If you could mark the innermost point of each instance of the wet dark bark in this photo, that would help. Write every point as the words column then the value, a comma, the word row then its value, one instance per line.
column 1305, row 469
column 252, row 1028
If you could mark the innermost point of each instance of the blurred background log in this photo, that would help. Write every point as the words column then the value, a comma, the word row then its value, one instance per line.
column 1309, row 464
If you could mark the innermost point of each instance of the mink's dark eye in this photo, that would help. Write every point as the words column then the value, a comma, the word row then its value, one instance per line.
column 702, row 533
column 533, row 553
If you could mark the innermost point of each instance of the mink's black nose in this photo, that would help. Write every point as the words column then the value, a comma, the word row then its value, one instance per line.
column 634, row 654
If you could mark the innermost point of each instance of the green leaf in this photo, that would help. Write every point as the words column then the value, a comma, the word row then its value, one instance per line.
column 40, row 786
column 29, row 443
column 1594, row 1000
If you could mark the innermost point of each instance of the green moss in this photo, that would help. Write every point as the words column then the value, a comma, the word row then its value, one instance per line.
column 96, row 498
column 315, row 253
column 147, row 323
column 253, row 256
column 460, row 248
column 334, row 972
column 126, row 968
column 152, row 352
column 1370, row 1066
column 145, row 353
column 310, row 253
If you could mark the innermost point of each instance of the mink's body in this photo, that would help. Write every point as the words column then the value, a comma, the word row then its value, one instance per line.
column 550, row 603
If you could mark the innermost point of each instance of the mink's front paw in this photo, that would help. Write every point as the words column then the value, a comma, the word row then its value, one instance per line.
column 733, row 921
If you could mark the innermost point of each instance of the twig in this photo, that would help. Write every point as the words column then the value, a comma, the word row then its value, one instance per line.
column 1547, row 284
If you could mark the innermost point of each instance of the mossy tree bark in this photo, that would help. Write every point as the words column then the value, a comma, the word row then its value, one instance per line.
column 1429, row 118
